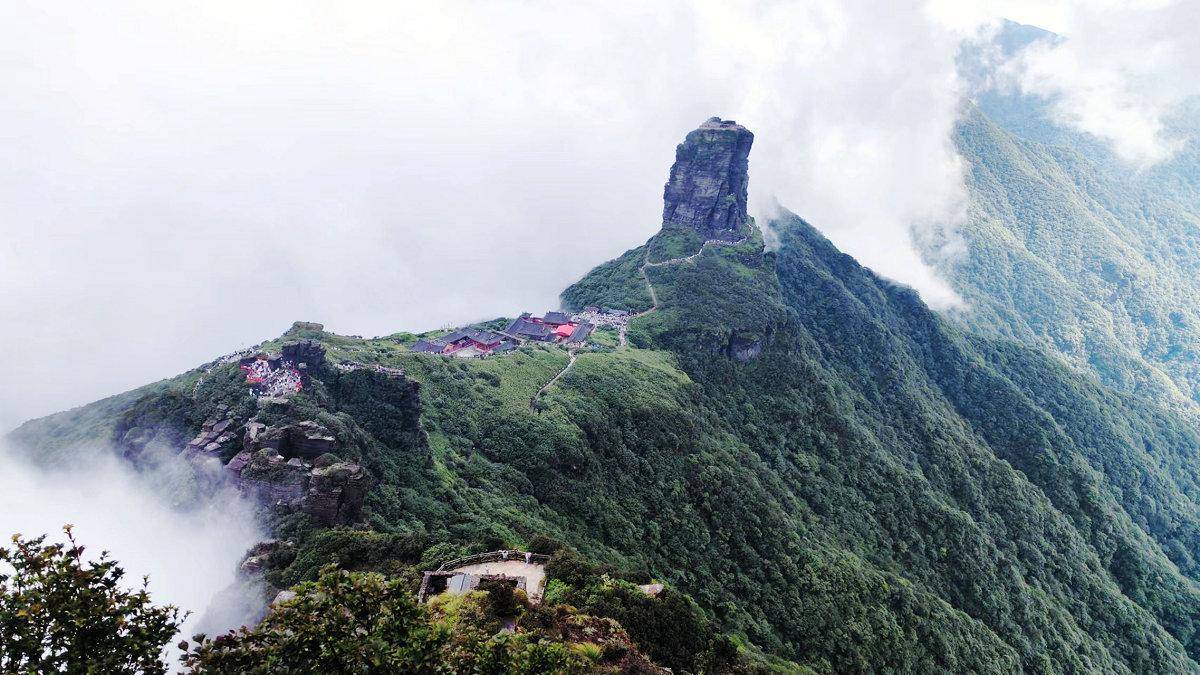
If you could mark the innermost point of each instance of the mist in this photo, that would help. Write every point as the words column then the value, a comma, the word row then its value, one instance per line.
column 185, row 180
column 189, row 542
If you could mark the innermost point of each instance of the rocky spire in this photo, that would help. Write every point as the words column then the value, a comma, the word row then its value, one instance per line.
column 707, row 188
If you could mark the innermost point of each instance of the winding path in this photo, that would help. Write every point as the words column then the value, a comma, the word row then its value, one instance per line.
column 663, row 263
column 653, row 304
column 574, row 355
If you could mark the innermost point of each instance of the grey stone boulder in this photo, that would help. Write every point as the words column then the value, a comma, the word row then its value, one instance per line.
column 257, row 558
column 305, row 439
column 307, row 355
column 271, row 480
column 216, row 435
column 336, row 492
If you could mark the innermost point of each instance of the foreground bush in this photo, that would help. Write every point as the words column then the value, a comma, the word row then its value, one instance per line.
column 364, row 623
column 62, row 613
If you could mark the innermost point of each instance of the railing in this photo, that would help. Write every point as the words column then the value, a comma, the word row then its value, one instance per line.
column 495, row 556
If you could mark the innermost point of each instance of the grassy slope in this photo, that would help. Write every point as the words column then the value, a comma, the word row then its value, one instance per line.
column 615, row 284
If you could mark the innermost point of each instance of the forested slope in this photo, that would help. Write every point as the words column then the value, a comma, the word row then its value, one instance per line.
column 1073, row 254
column 1069, row 247
column 833, row 472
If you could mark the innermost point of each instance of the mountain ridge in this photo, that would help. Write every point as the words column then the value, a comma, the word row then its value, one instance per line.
column 835, row 473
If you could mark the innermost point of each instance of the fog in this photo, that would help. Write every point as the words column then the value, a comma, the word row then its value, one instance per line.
column 189, row 542
column 1122, row 73
column 182, row 180
column 185, row 179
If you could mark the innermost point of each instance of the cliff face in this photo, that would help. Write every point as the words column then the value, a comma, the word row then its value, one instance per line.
column 707, row 188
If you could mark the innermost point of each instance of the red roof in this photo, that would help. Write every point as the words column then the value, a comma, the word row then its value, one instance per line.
column 565, row 330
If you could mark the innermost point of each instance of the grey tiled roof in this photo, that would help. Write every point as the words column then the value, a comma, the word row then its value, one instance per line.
column 581, row 332
column 525, row 327
column 427, row 347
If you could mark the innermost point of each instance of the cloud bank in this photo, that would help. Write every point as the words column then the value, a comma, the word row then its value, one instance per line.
column 1123, row 70
column 181, row 181
column 1120, row 73
column 190, row 551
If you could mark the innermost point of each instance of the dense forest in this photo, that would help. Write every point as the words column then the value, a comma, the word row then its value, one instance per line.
column 875, row 489
column 1072, row 249
column 825, row 474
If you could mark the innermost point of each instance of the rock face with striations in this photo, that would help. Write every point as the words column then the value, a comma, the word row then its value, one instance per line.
column 707, row 188
column 336, row 490
column 291, row 466
column 307, row 355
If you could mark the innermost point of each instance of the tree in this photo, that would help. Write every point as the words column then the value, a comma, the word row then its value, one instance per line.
column 352, row 622
column 60, row 612
column 340, row 623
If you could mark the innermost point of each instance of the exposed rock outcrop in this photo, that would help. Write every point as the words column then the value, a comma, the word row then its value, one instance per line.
column 307, row 325
column 307, row 355
column 306, row 440
column 744, row 349
column 259, row 556
column 269, row 478
column 290, row 466
column 336, row 491
column 708, row 184
column 219, row 433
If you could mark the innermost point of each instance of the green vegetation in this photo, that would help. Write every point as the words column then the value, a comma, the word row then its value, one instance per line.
column 674, row 242
column 605, row 336
column 872, row 490
column 1070, row 250
column 359, row 623
column 55, row 438
column 60, row 612
column 616, row 283
column 672, row 630
column 820, row 468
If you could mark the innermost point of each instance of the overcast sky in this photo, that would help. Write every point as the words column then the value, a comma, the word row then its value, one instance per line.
column 181, row 180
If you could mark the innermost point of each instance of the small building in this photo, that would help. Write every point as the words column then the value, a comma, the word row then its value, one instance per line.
column 483, row 340
column 526, row 571
column 556, row 319
column 428, row 347
column 580, row 333
column 526, row 326
column 465, row 342
column 506, row 346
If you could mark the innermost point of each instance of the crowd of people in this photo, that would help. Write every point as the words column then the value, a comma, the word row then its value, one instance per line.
column 351, row 366
column 266, row 381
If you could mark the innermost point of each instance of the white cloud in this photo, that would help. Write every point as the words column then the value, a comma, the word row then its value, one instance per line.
column 1121, row 72
column 185, row 180
column 182, row 180
column 190, row 551
column 853, row 106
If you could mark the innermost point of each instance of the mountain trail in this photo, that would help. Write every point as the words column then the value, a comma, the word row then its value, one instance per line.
column 533, row 401
column 663, row 263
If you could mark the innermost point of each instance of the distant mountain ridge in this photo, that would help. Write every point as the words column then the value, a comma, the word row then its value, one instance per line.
column 1072, row 250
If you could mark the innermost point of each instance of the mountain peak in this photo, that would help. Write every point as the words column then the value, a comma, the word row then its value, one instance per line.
column 707, row 187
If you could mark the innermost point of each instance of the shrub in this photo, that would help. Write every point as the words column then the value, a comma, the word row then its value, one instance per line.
column 62, row 613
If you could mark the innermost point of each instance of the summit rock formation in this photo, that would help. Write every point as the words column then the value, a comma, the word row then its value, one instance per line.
column 707, row 187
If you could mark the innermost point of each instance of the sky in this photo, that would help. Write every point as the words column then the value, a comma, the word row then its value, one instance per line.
column 182, row 180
